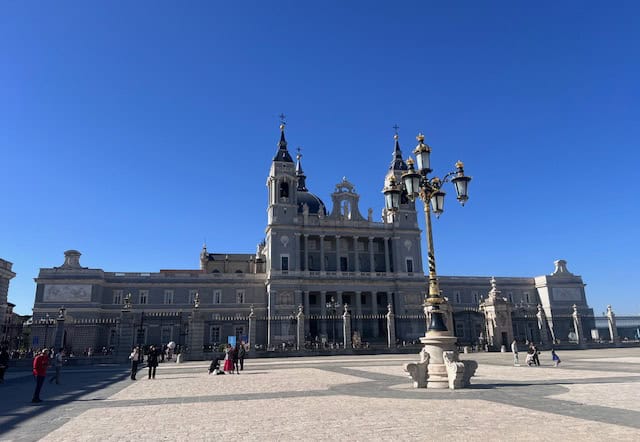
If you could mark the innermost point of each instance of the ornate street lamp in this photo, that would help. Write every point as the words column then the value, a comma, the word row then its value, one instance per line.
column 418, row 184
column 434, row 371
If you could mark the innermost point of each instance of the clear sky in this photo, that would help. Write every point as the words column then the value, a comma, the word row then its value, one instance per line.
column 132, row 131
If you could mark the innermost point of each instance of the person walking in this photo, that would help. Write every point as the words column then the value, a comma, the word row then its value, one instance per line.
column 235, row 356
column 555, row 358
column 242, row 353
column 514, row 350
column 536, row 353
column 135, row 360
column 152, row 362
column 4, row 363
column 58, row 362
column 40, row 364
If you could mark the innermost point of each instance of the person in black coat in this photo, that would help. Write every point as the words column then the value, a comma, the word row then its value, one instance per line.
column 234, row 357
column 242, row 353
column 152, row 362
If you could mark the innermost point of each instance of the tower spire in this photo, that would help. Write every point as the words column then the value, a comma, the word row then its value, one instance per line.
column 283, row 153
column 302, row 185
column 397, row 163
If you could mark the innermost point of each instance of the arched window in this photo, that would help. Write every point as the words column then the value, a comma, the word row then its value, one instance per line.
column 284, row 190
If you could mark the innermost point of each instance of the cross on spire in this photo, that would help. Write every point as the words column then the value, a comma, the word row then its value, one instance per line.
column 283, row 118
column 396, row 127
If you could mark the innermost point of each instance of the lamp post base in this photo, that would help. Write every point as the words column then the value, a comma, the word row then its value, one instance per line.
column 439, row 367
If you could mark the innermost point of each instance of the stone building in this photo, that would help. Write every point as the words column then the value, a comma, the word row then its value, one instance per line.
column 6, row 308
column 314, row 260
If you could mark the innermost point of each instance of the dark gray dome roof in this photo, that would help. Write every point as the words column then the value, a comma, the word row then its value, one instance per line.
column 313, row 202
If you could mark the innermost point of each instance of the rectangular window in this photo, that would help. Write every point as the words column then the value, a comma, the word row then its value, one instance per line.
column 168, row 296
column 526, row 297
column 313, row 299
column 363, row 299
column 459, row 329
column 344, row 264
column 192, row 296
column 456, row 294
column 474, row 294
column 284, row 262
column 510, row 296
column 217, row 296
column 214, row 336
column 409, row 265
column 143, row 296
column 117, row 296
column 239, row 296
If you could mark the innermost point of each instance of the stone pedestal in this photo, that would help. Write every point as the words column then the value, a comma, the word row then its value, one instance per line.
column 435, row 344
column 346, row 328
column 439, row 366
column 125, row 336
column 196, row 335
column 58, row 342
column 252, row 330
column 300, row 329
column 391, row 327
column 613, row 327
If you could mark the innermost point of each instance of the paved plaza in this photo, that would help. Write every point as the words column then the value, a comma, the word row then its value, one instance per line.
column 593, row 395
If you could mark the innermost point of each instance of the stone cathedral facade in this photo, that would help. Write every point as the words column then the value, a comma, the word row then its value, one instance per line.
column 314, row 258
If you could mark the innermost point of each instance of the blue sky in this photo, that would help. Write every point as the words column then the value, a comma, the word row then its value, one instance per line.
column 132, row 131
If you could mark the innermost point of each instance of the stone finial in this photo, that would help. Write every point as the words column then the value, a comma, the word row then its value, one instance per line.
column 610, row 311
column 494, row 292
column 561, row 268
column 575, row 309
column 71, row 260
column 346, row 308
column 389, row 309
column 252, row 313
column 300, row 309
column 61, row 312
column 127, row 301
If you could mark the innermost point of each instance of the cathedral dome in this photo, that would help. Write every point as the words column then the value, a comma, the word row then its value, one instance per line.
column 314, row 203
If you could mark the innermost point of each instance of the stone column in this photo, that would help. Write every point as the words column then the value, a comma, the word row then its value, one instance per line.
column 358, row 302
column 387, row 267
column 372, row 267
column 391, row 327
column 346, row 328
column 322, row 268
column 613, row 329
column 196, row 335
column 59, row 330
column 323, row 313
column 305, row 297
column 125, row 335
column 252, row 329
column 297, row 252
column 375, row 332
column 542, row 326
column 356, row 257
column 577, row 325
column 300, row 328
column 306, row 253
column 338, row 268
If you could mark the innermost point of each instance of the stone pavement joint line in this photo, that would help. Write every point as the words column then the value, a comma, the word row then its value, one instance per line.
column 331, row 398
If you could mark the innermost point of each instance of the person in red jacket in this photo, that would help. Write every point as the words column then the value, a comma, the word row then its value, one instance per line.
column 40, row 364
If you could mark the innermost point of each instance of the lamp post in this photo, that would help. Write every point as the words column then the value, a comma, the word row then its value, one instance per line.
column 434, row 371
column 417, row 184
column 333, row 306
column 46, row 321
